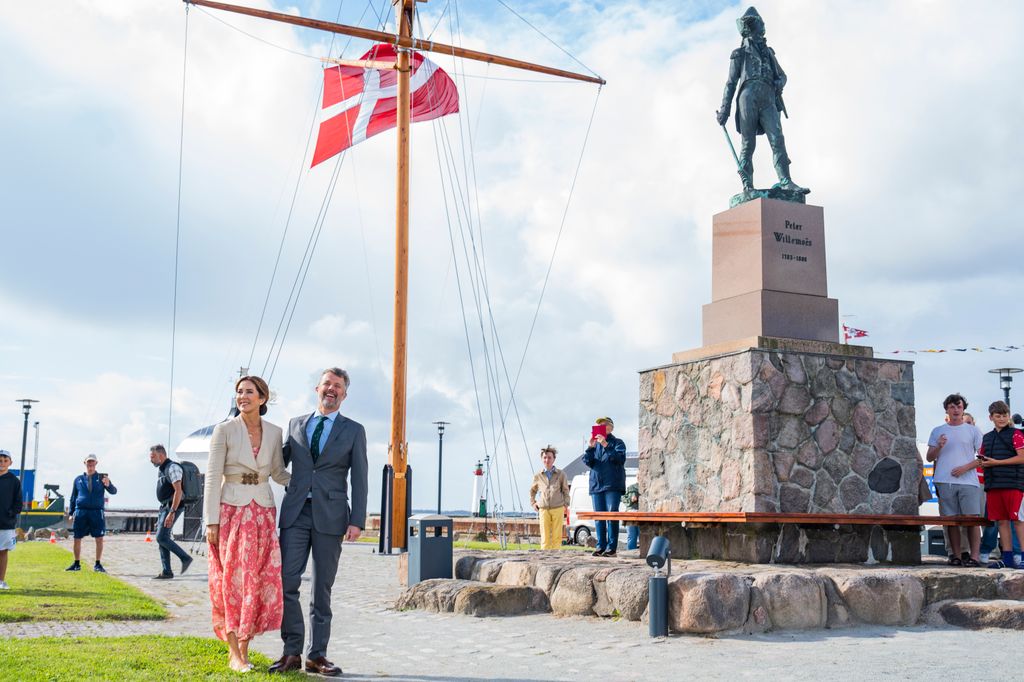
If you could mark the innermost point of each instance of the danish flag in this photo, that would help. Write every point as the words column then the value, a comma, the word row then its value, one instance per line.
column 851, row 333
column 360, row 102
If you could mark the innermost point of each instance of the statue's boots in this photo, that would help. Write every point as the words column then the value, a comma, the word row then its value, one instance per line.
column 785, row 180
column 787, row 184
column 748, row 182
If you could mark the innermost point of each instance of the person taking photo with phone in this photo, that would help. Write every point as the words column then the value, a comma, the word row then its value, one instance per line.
column 606, row 457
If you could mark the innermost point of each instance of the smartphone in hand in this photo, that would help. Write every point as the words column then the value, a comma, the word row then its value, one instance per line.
column 598, row 430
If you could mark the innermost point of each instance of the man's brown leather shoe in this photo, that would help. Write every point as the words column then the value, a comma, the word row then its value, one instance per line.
column 322, row 666
column 286, row 664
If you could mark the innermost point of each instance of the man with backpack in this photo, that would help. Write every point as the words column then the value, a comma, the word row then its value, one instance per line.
column 172, row 498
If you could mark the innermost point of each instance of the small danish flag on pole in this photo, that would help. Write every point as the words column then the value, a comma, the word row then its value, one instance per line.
column 851, row 333
column 360, row 102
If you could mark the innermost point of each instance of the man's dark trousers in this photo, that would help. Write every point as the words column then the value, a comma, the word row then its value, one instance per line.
column 297, row 541
column 165, row 540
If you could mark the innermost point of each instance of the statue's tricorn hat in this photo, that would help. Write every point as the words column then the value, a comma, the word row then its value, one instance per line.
column 749, row 17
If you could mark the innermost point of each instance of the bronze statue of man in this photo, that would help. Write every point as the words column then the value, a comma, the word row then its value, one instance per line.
column 755, row 70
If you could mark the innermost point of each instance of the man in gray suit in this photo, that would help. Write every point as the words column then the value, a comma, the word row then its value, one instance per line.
column 317, row 514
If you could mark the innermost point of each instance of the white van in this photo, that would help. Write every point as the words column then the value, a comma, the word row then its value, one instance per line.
column 580, row 530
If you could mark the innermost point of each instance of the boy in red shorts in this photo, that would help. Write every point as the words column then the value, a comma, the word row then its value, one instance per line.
column 1002, row 456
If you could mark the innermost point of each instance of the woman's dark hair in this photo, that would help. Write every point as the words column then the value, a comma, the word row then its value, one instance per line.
column 261, row 389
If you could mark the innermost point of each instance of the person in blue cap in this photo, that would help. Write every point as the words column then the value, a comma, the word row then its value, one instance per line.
column 86, row 511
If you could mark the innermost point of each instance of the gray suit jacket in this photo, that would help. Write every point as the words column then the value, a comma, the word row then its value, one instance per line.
column 344, row 452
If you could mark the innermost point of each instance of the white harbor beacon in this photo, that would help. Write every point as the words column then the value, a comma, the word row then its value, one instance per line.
column 479, row 504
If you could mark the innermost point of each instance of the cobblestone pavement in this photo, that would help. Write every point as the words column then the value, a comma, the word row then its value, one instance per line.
column 371, row 641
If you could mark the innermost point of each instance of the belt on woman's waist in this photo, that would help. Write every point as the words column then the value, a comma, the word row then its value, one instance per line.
column 245, row 479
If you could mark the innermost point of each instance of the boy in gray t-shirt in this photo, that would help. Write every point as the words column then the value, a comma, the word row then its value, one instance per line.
column 953, row 447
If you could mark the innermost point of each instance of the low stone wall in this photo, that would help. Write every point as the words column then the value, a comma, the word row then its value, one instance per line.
column 709, row 597
column 789, row 543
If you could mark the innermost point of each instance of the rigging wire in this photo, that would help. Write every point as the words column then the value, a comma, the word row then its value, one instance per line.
column 295, row 192
column 546, row 37
column 442, row 141
column 366, row 262
column 284, row 234
column 177, row 230
column 558, row 238
column 257, row 38
column 471, row 173
column 480, row 281
column 299, row 281
column 300, row 276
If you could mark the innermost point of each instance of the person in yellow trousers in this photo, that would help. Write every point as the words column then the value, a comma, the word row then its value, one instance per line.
column 549, row 495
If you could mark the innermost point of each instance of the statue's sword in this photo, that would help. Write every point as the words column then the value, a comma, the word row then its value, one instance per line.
column 732, row 148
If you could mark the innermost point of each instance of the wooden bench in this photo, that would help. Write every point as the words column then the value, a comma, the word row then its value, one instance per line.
column 774, row 517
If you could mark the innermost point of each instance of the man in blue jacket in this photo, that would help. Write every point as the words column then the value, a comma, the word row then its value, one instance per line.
column 606, row 457
column 86, row 510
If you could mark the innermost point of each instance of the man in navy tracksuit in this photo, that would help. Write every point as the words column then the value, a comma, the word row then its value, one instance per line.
column 87, row 499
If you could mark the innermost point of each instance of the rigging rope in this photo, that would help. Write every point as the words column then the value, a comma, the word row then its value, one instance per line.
column 494, row 362
column 300, row 275
column 558, row 238
column 366, row 263
column 177, row 232
column 545, row 36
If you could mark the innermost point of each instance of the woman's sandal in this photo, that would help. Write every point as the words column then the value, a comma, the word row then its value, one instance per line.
column 970, row 563
column 955, row 561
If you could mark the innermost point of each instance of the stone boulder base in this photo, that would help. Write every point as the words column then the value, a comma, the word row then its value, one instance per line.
column 881, row 597
column 574, row 593
column 714, row 597
column 627, row 592
column 795, row 601
column 473, row 598
column 708, row 602
column 977, row 615
column 1012, row 587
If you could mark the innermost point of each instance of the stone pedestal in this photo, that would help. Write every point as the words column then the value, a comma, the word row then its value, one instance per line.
column 768, row 274
column 779, row 425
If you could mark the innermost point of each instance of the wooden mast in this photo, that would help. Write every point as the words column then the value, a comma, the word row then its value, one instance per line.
column 397, row 451
column 405, row 9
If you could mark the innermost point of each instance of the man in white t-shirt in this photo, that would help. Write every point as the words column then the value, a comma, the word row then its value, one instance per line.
column 953, row 447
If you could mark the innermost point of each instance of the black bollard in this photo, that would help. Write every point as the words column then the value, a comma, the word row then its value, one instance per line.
column 659, row 556
column 657, row 605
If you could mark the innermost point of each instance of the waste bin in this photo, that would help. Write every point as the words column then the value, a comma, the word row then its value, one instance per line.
column 430, row 547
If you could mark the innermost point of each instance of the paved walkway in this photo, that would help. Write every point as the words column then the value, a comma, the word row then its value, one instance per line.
column 371, row 641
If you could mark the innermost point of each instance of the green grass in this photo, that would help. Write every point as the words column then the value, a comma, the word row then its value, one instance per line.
column 148, row 657
column 42, row 590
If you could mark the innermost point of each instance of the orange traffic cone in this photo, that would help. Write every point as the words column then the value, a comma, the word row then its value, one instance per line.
column 149, row 536
column 53, row 537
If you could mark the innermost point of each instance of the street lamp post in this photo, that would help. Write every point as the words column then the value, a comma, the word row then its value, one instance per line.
column 26, row 407
column 440, row 439
column 35, row 456
column 1006, row 380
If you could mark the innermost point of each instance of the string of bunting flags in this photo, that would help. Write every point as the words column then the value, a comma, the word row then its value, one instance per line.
column 1002, row 349
column 852, row 333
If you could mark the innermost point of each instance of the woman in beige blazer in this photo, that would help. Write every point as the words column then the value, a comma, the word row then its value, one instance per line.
column 245, row 557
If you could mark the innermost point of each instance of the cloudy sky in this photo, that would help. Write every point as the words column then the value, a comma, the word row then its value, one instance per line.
column 904, row 123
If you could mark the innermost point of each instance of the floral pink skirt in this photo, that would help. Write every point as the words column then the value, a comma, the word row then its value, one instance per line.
column 245, row 572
